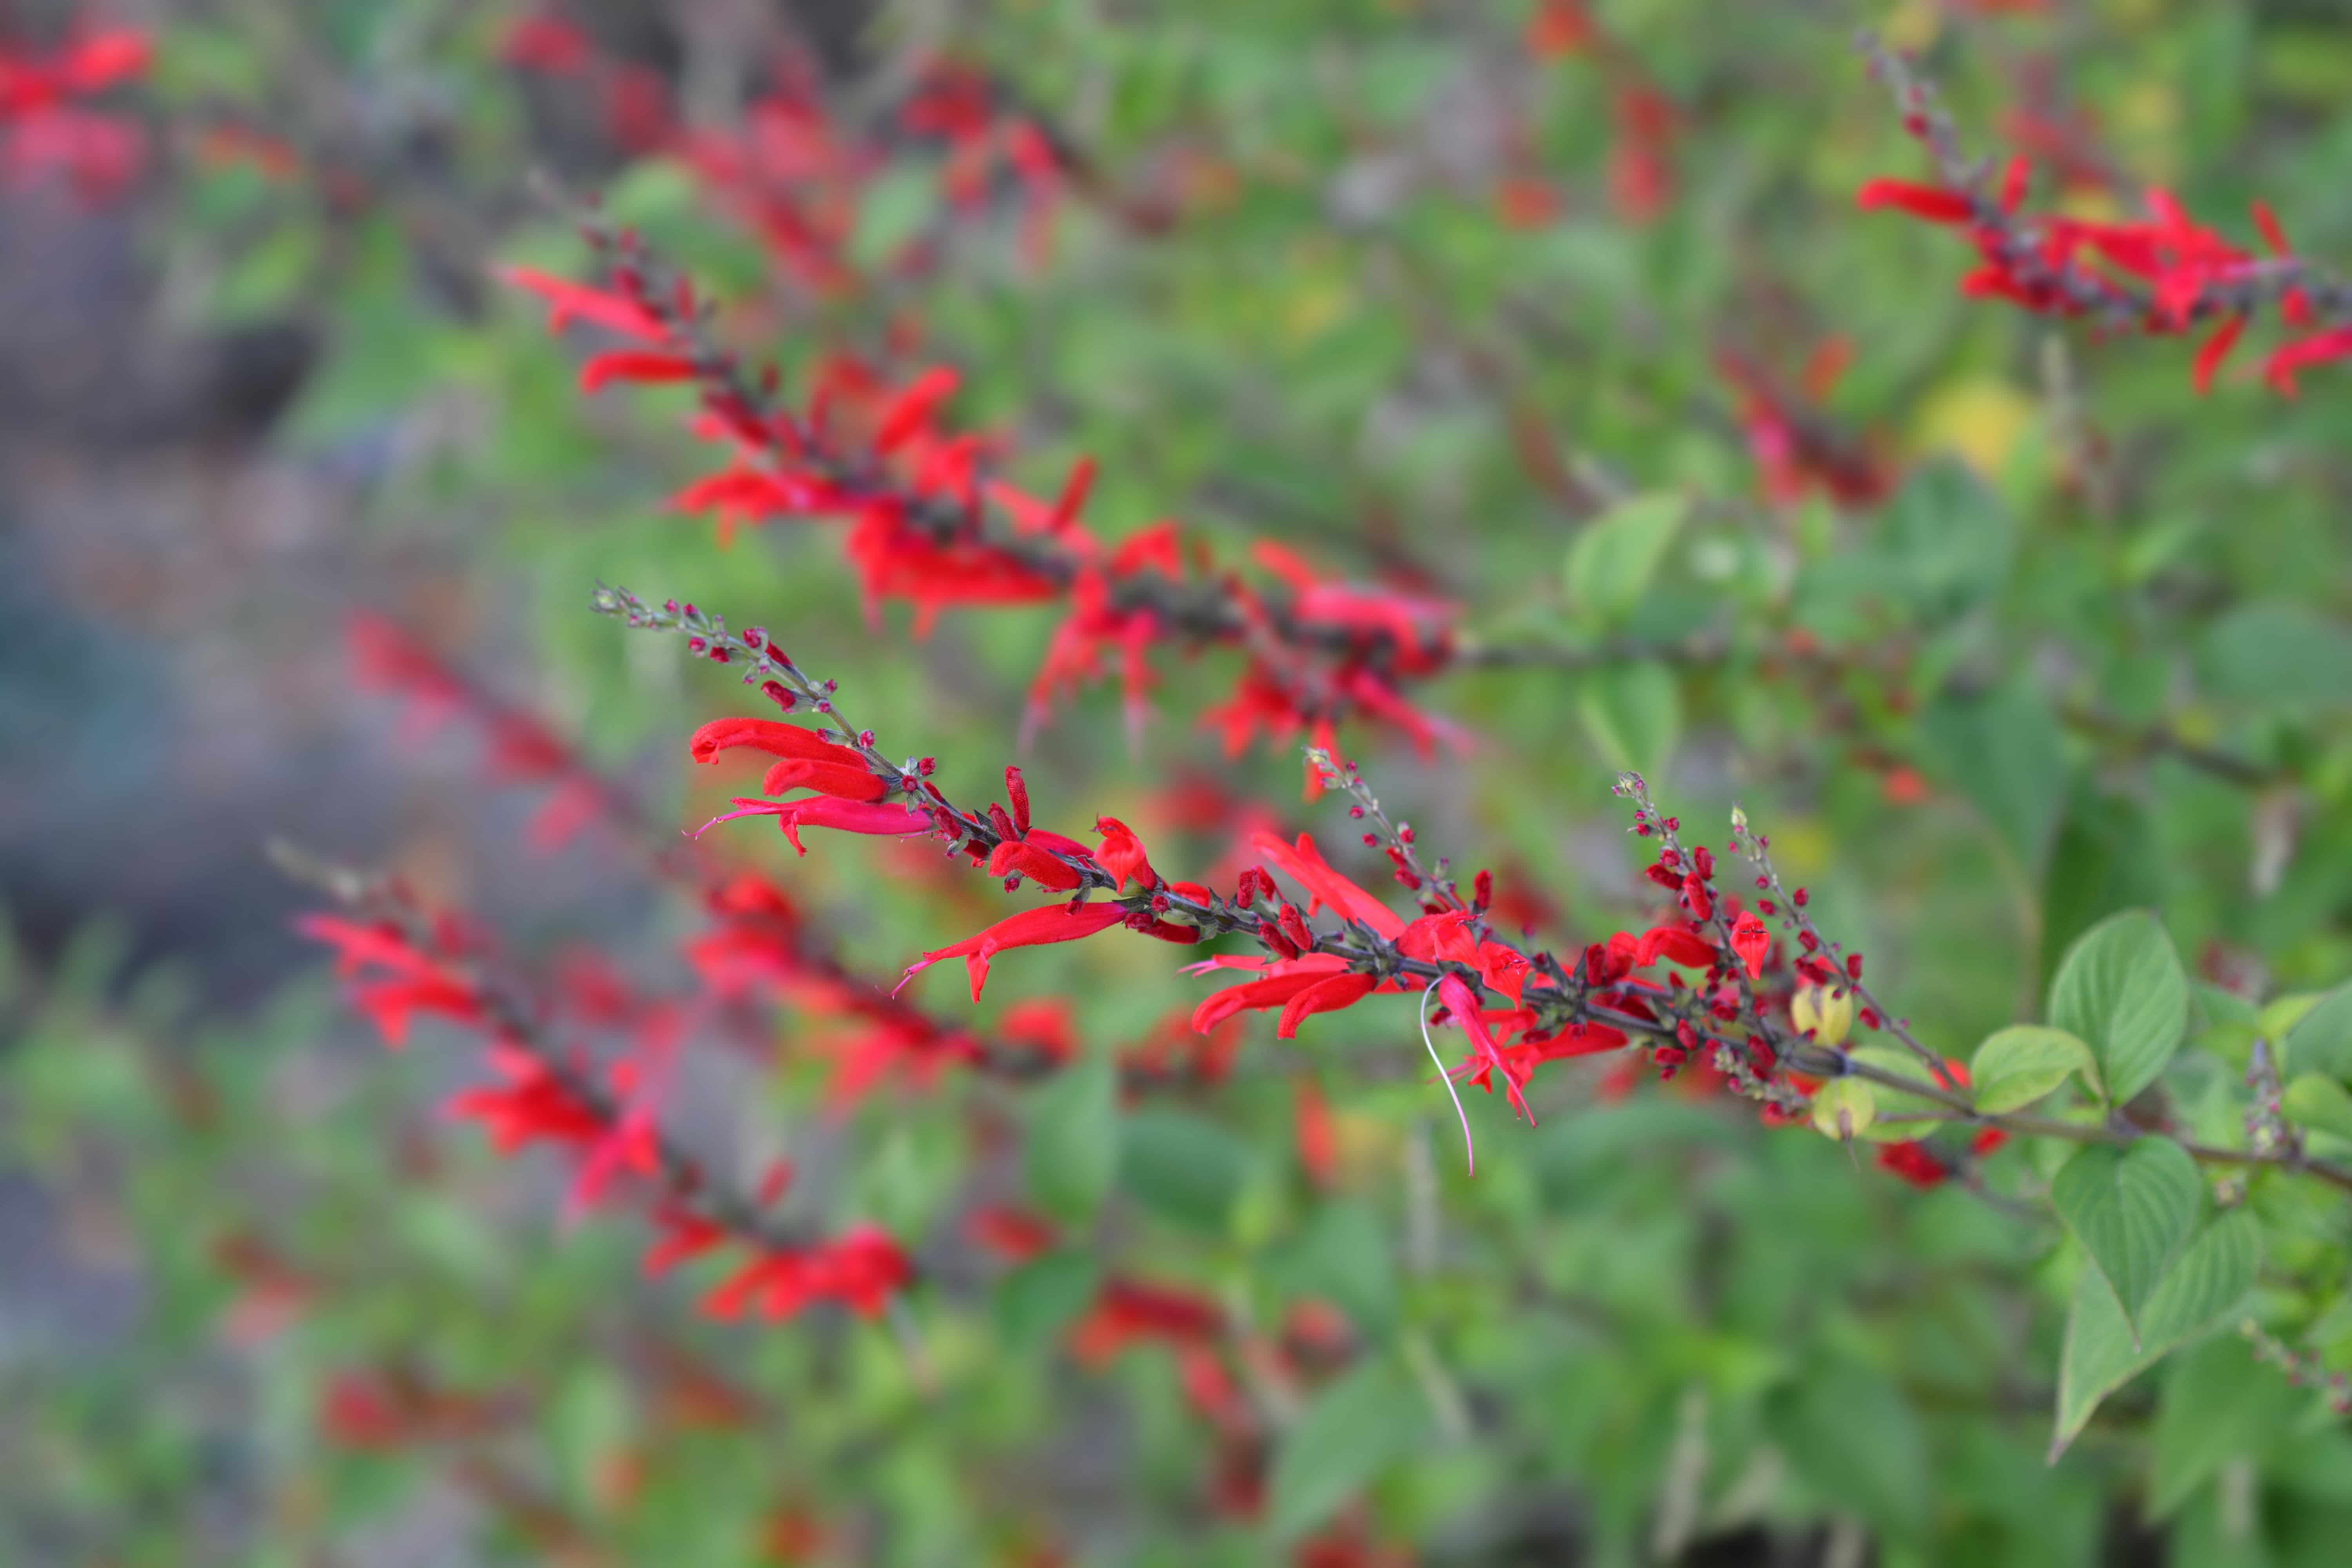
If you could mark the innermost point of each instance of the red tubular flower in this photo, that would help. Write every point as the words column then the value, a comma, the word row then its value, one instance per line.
column 912, row 410
column 860, row 1269
column 1274, row 989
column 1752, row 943
column 1127, row 1310
column 1122, row 854
column 838, row 780
column 2302, row 354
column 2214, row 350
column 1676, row 944
column 1914, row 1162
column 1029, row 860
column 1486, row 1055
column 1328, row 994
column 1014, row 1234
column 1031, row 927
column 1929, row 201
column 829, row 810
column 568, row 301
column 633, row 365
column 778, row 740
column 535, row 1103
column 1305, row 865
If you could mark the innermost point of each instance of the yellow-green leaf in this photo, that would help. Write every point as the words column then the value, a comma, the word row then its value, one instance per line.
column 2019, row 1065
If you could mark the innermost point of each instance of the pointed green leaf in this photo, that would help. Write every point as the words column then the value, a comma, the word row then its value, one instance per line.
column 2319, row 1102
column 2005, row 752
column 2213, row 1275
column 1612, row 563
column 1345, row 1255
column 1633, row 713
column 2131, row 1208
column 1354, row 1429
column 1039, row 1299
column 2217, row 1407
column 2019, row 1065
column 2321, row 1040
column 1071, row 1151
column 2123, row 993
column 1183, row 1168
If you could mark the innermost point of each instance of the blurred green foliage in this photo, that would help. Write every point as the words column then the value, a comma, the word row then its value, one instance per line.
column 1649, row 1316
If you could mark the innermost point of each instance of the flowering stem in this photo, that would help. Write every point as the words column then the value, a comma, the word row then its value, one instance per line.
column 513, row 1021
column 1957, row 1108
column 972, row 831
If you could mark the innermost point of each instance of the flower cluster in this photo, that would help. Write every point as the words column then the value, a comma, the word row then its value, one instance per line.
column 401, row 962
column 930, row 526
column 2163, row 275
column 1708, row 986
column 45, row 127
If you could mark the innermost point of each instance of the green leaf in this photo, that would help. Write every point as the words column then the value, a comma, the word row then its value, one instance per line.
column 2131, row 1208
column 2218, row 1406
column 2004, row 753
column 1344, row 1255
column 1355, row 1428
column 1042, row 1297
column 1633, row 713
column 1946, row 541
column 2321, row 1040
column 2104, row 858
column 1612, row 563
column 2277, row 655
column 1071, row 1153
column 2122, row 992
column 1182, row 1167
column 2213, row 1275
column 2319, row 1102
column 893, row 211
column 2019, row 1065
column 1844, row 1107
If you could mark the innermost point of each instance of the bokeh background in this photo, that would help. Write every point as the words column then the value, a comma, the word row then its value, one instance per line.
column 1416, row 288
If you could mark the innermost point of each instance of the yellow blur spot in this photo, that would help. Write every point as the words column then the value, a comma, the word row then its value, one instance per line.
column 1800, row 847
column 2092, row 205
column 1978, row 421
column 1314, row 307
column 1913, row 25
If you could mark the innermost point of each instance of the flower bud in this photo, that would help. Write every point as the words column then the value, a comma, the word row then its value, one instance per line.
column 1827, row 1011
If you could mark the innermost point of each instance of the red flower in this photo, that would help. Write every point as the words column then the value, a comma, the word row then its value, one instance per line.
column 827, row 811
column 838, row 780
column 1914, row 1162
column 1930, row 202
column 776, row 738
column 1752, row 943
column 1127, row 1310
column 1328, row 994
column 1031, row 927
column 1014, row 854
column 1122, row 854
column 568, row 301
column 1676, row 944
column 1013, row 1235
column 2305, row 352
column 633, row 365
column 1304, row 865
column 861, row 1271
column 1487, row 1054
